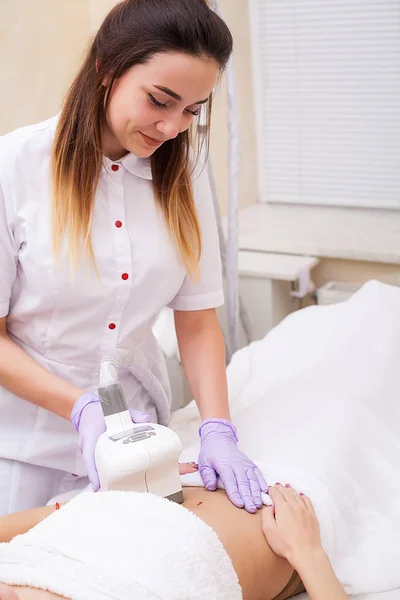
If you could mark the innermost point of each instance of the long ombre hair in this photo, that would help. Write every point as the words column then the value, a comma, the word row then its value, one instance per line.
column 133, row 32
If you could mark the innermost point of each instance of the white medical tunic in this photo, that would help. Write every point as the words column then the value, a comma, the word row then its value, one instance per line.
column 68, row 324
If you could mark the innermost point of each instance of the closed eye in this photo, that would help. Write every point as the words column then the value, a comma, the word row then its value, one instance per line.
column 194, row 112
column 155, row 102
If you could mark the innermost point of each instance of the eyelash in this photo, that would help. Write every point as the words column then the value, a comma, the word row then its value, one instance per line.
column 195, row 113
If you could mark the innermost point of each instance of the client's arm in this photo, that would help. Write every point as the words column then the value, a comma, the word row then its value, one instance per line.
column 12, row 525
column 292, row 531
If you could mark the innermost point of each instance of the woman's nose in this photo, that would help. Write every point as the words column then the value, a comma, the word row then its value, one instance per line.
column 169, row 128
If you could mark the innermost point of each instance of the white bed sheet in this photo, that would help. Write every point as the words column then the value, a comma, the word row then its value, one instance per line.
column 317, row 405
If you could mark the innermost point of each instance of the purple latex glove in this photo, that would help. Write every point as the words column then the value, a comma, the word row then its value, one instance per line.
column 220, row 457
column 88, row 419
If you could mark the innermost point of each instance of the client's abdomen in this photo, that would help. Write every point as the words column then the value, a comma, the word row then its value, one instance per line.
column 262, row 574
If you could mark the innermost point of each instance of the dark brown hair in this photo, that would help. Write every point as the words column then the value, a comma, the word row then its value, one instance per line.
column 131, row 34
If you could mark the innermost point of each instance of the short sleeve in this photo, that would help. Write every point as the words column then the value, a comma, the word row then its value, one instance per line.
column 208, row 291
column 8, row 254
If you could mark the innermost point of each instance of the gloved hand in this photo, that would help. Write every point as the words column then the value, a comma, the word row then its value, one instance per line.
column 88, row 419
column 220, row 457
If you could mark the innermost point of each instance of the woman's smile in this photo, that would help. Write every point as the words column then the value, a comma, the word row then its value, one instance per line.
column 151, row 141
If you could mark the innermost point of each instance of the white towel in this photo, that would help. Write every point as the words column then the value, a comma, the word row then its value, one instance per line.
column 121, row 545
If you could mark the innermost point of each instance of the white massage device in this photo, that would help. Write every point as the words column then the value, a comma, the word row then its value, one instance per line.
column 139, row 457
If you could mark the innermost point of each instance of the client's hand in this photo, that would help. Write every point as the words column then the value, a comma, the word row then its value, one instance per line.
column 88, row 419
column 220, row 457
column 290, row 527
column 292, row 530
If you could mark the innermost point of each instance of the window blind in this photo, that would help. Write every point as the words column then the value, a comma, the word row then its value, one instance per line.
column 327, row 91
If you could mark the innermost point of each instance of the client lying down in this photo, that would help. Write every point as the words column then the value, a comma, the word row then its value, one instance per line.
column 109, row 546
column 317, row 406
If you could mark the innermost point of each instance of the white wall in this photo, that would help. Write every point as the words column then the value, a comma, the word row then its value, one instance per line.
column 41, row 44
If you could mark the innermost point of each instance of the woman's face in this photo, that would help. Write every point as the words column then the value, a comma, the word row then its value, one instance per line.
column 154, row 102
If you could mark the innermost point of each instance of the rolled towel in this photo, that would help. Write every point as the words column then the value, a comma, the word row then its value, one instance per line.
column 119, row 545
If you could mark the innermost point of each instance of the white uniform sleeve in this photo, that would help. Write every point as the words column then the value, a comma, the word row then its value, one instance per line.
column 8, row 254
column 208, row 291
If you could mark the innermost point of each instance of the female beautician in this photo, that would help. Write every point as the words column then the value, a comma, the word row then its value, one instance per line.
column 102, row 223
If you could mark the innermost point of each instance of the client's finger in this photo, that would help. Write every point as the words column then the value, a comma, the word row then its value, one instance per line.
column 288, row 494
column 293, row 497
column 254, row 488
column 185, row 468
column 308, row 504
column 228, row 478
column 277, row 498
column 268, row 522
column 209, row 478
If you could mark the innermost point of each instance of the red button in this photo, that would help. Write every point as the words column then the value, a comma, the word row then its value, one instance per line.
column 125, row 276
column 118, row 223
column 112, row 326
column 114, row 167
